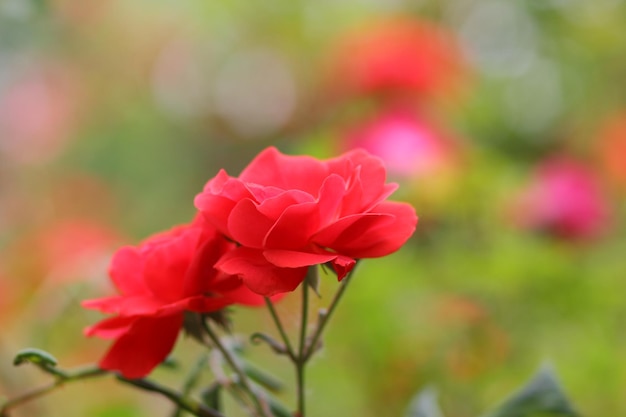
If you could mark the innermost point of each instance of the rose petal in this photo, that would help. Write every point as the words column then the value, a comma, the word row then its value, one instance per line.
column 371, row 235
column 147, row 343
column 273, row 168
column 126, row 271
column 167, row 264
column 293, row 259
column 258, row 274
column 294, row 227
column 111, row 328
column 247, row 225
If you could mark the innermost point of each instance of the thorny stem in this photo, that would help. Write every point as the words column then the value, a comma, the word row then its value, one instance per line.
column 306, row 349
column 243, row 379
column 301, row 359
column 281, row 329
column 187, row 404
column 191, row 381
column 62, row 378
column 321, row 325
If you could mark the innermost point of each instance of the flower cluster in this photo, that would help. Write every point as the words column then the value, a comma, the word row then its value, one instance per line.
column 255, row 236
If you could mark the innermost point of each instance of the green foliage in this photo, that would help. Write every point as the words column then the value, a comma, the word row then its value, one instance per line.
column 36, row 356
column 541, row 396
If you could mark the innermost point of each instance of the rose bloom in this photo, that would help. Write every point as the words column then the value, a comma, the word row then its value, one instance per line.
column 158, row 281
column 410, row 145
column 565, row 199
column 287, row 213
column 397, row 55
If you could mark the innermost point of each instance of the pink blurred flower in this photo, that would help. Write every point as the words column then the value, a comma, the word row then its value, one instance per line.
column 38, row 112
column 408, row 143
column 564, row 198
column 397, row 55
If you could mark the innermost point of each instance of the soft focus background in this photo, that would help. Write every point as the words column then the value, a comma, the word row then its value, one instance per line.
column 503, row 121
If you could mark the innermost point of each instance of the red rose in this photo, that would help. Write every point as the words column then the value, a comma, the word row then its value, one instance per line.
column 168, row 274
column 290, row 212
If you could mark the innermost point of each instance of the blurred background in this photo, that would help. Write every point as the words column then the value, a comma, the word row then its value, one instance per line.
column 503, row 121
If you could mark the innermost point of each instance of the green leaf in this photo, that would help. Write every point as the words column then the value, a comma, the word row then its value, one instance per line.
column 211, row 396
column 262, row 377
column 35, row 356
column 40, row 358
column 424, row 404
column 313, row 279
column 542, row 395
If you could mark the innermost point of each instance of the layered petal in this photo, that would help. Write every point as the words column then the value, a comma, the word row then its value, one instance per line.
column 258, row 274
column 272, row 168
column 144, row 345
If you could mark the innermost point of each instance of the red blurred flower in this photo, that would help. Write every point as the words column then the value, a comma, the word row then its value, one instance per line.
column 410, row 145
column 69, row 248
column 168, row 274
column 612, row 149
column 397, row 55
column 564, row 198
column 290, row 212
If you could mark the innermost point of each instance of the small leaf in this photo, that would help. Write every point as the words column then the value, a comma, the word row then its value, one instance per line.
column 313, row 279
column 278, row 409
column 263, row 378
column 277, row 347
column 35, row 356
column 211, row 396
column 542, row 394
column 424, row 404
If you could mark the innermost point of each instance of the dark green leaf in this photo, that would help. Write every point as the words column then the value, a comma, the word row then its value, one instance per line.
column 313, row 279
column 277, row 347
column 424, row 404
column 211, row 396
column 263, row 378
column 35, row 356
column 542, row 395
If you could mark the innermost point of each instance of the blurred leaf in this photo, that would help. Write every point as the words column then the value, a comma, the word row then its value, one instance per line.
column 313, row 279
column 211, row 396
column 542, row 395
column 36, row 356
column 424, row 404
column 262, row 377
column 40, row 358
column 276, row 346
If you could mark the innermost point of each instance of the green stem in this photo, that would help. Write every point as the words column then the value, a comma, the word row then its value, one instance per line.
column 317, row 334
column 64, row 377
column 243, row 379
column 191, row 381
column 301, row 359
column 80, row 374
column 281, row 329
column 187, row 404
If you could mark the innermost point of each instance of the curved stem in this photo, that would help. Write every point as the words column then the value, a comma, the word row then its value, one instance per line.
column 83, row 373
column 321, row 325
column 243, row 379
column 281, row 329
column 301, row 359
column 187, row 404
